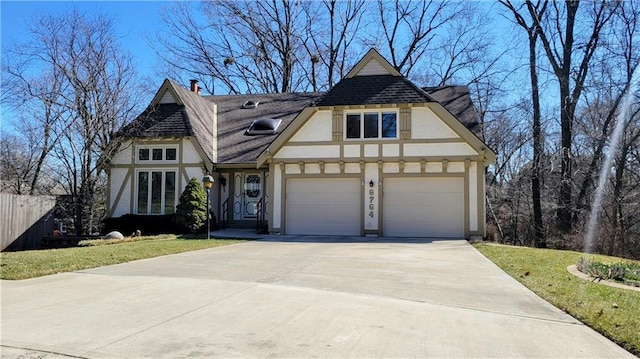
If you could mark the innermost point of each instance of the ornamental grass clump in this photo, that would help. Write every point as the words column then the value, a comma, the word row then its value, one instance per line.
column 626, row 272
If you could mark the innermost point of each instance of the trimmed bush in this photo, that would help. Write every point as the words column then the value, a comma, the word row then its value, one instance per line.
column 191, row 212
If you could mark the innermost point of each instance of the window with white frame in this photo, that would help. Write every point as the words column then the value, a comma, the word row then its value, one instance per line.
column 157, row 154
column 371, row 124
column 156, row 191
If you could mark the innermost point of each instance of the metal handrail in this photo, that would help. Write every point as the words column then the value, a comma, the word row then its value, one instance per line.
column 259, row 214
column 225, row 213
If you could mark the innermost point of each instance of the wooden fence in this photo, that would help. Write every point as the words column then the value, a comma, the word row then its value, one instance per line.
column 24, row 220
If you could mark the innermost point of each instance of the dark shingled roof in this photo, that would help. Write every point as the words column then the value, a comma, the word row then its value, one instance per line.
column 164, row 120
column 372, row 90
column 457, row 100
column 193, row 118
column 233, row 146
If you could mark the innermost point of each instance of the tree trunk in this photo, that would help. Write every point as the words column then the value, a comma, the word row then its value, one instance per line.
column 539, row 240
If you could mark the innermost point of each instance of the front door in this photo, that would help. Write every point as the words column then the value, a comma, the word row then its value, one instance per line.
column 251, row 194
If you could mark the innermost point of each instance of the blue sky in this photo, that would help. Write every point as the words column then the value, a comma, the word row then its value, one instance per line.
column 134, row 21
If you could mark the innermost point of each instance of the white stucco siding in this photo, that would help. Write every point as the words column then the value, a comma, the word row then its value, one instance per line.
column 123, row 204
column 351, row 168
column 371, row 150
column 426, row 125
column 351, row 151
column 473, row 196
column 455, row 167
column 439, row 149
column 331, row 168
column 292, row 168
column 390, row 150
column 189, row 152
column 123, row 156
column 311, row 168
column 317, row 128
column 433, row 167
column 412, row 167
column 191, row 173
column 300, row 152
column 392, row 167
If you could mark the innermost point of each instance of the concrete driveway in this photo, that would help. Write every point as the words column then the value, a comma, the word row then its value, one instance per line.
column 293, row 297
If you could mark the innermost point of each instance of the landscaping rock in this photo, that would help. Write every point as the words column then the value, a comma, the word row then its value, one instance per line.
column 114, row 235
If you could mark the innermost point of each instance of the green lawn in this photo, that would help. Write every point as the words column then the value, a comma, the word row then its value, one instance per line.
column 30, row 264
column 611, row 311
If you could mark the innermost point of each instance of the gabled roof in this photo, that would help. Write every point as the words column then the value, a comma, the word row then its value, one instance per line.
column 191, row 115
column 373, row 90
column 162, row 120
column 372, row 60
column 457, row 100
column 372, row 81
column 236, row 148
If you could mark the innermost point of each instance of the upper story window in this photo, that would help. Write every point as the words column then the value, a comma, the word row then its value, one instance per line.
column 156, row 154
column 371, row 124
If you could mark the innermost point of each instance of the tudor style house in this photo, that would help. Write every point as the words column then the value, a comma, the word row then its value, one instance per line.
column 375, row 155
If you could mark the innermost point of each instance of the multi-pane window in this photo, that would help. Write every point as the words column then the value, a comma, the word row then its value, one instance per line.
column 156, row 192
column 371, row 124
column 156, row 154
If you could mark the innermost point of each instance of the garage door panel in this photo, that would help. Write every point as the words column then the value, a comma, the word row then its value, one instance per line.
column 423, row 207
column 323, row 206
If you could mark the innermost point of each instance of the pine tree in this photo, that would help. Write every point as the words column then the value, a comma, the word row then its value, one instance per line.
column 191, row 212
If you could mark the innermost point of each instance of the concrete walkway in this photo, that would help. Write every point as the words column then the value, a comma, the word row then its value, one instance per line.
column 293, row 297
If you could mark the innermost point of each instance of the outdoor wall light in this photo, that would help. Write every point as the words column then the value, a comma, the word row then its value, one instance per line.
column 371, row 183
column 207, row 181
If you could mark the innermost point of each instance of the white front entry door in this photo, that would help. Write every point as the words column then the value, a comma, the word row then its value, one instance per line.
column 423, row 207
column 251, row 194
column 328, row 206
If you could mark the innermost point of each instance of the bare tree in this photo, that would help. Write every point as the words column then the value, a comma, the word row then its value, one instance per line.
column 83, row 100
column 332, row 28
column 532, row 36
column 603, row 111
column 569, row 43
column 409, row 29
column 16, row 164
column 242, row 46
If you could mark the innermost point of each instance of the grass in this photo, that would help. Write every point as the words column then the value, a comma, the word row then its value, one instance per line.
column 30, row 264
column 613, row 312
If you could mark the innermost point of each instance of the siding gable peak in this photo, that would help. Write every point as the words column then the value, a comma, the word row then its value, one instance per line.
column 372, row 63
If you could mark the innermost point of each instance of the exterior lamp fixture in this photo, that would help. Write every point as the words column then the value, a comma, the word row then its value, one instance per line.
column 207, row 181
column 371, row 183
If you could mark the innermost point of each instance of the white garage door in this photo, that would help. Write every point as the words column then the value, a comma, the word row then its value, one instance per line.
column 423, row 207
column 323, row 206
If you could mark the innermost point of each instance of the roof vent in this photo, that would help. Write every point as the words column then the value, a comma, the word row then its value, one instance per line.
column 265, row 126
column 251, row 104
